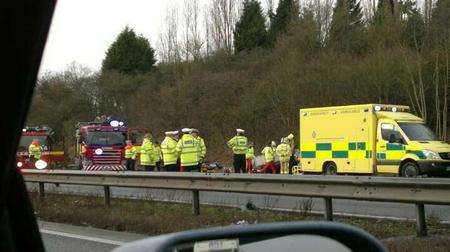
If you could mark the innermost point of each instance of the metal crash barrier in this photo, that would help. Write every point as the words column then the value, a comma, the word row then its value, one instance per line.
column 416, row 191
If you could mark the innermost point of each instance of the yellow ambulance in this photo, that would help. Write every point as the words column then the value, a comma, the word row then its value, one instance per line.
column 370, row 139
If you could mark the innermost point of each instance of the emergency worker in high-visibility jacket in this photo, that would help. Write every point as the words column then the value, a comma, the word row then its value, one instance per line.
column 169, row 151
column 35, row 150
column 157, row 155
column 202, row 147
column 239, row 146
column 284, row 153
column 269, row 153
column 249, row 157
column 130, row 156
column 188, row 149
column 292, row 161
column 147, row 153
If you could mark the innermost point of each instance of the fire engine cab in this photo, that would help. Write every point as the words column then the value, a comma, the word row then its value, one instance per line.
column 50, row 158
column 100, row 145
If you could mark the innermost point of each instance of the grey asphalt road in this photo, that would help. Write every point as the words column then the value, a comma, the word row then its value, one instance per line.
column 62, row 243
column 69, row 238
column 350, row 207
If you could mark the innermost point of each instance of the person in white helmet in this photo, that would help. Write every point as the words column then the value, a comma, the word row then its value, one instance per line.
column 291, row 143
column 201, row 143
column 169, row 152
column 188, row 148
column 239, row 146
column 284, row 152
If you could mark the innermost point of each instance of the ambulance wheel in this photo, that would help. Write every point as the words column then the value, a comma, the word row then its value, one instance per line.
column 410, row 170
column 330, row 168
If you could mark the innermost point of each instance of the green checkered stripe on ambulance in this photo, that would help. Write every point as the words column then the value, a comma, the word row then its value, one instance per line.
column 352, row 150
column 397, row 151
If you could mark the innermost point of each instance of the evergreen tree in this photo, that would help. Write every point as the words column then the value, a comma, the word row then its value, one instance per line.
column 386, row 29
column 250, row 30
column 414, row 28
column 287, row 11
column 129, row 54
column 440, row 24
column 347, row 30
column 384, row 12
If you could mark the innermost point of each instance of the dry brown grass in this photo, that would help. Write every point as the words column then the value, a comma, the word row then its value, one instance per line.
column 154, row 217
column 435, row 243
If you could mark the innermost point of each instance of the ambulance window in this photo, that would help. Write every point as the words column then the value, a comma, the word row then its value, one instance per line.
column 386, row 130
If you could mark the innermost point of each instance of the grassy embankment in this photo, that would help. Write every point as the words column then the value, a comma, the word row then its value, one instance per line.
column 153, row 218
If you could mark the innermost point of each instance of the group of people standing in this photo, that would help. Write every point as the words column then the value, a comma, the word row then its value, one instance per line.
column 188, row 152
column 244, row 154
column 177, row 154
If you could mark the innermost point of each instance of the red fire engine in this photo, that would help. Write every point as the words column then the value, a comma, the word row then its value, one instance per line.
column 100, row 145
column 50, row 158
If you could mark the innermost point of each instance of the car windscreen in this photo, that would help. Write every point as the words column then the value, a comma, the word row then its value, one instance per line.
column 417, row 131
column 25, row 141
column 105, row 138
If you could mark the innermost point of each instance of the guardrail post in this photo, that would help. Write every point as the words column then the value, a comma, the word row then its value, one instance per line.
column 107, row 196
column 328, row 209
column 421, row 222
column 196, row 202
column 41, row 191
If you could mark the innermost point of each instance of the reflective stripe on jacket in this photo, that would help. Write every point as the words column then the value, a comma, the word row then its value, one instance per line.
column 169, row 151
column 147, row 152
column 238, row 144
column 269, row 154
column 35, row 151
column 202, row 147
column 284, row 152
column 157, row 155
column 130, row 152
column 188, row 148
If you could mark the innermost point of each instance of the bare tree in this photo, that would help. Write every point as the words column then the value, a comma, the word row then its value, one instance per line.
column 415, row 88
column 169, row 48
column 441, row 92
column 192, row 41
column 368, row 8
column 445, row 108
column 222, row 17
column 323, row 12
column 436, row 98
column 427, row 10
column 207, row 24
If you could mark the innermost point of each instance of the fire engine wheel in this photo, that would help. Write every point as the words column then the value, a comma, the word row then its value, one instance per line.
column 330, row 168
column 410, row 170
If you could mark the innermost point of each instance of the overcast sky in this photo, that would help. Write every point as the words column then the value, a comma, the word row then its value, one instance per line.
column 82, row 30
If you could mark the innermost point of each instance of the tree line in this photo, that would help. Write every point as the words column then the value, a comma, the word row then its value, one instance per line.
column 253, row 68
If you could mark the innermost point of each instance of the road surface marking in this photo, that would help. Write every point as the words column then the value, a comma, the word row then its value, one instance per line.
column 82, row 237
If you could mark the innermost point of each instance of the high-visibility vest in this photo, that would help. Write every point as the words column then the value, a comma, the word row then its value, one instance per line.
column 188, row 148
column 290, row 142
column 157, row 153
column 147, row 152
column 35, row 151
column 269, row 154
column 250, row 154
column 202, row 147
column 283, row 151
column 238, row 144
column 83, row 149
column 169, row 151
column 130, row 152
